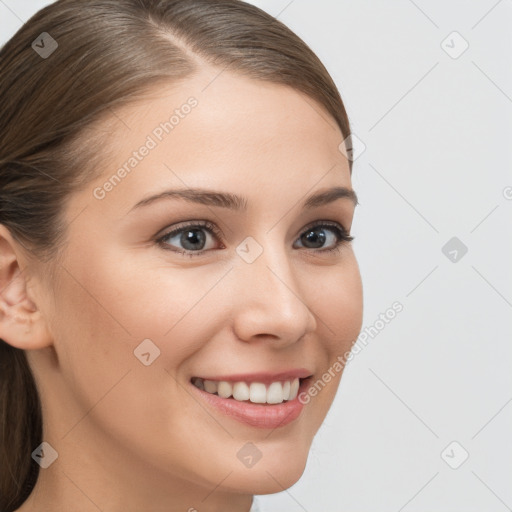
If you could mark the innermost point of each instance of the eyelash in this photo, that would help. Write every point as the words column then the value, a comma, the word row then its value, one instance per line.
column 342, row 235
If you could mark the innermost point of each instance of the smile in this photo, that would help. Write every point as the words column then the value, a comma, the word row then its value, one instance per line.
column 259, row 400
column 276, row 392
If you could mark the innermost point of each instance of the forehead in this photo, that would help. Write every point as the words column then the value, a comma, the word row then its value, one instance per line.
column 222, row 130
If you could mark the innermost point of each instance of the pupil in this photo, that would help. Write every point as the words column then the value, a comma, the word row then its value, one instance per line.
column 193, row 236
column 314, row 237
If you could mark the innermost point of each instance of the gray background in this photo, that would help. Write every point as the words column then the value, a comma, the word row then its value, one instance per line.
column 437, row 128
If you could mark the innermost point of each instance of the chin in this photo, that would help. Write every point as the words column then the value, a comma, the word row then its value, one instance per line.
column 276, row 470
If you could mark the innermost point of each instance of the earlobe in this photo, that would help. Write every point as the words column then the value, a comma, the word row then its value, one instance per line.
column 21, row 323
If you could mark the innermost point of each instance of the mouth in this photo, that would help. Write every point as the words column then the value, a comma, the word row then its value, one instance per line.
column 275, row 392
column 260, row 401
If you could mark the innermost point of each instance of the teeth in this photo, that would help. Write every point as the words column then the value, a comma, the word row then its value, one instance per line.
column 256, row 392
column 225, row 389
column 240, row 391
column 210, row 386
column 286, row 390
column 294, row 389
column 199, row 383
column 275, row 393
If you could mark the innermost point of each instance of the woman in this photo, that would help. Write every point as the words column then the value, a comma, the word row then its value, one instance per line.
column 177, row 276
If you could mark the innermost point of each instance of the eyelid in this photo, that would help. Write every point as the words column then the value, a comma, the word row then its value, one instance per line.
column 204, row 224
column 335, row 224
column 209, row 226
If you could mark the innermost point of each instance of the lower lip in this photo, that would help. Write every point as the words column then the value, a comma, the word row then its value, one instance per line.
column 268, row 416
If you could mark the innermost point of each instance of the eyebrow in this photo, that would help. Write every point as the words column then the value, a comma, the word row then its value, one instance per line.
column 238, row 203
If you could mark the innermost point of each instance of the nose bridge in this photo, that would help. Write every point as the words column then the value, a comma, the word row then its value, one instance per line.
column 269, row 298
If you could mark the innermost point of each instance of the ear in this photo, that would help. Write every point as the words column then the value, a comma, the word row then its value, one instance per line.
column 22, row 324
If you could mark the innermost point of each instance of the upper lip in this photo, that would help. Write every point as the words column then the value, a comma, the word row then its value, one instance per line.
column 263, row 377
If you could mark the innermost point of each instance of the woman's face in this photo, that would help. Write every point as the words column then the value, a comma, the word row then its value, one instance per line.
column 245, row 289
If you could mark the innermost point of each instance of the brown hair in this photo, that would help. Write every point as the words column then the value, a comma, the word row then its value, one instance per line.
column 109, row 53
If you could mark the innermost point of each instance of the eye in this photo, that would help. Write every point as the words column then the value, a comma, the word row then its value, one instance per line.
column 315, row 237
column 193, row 238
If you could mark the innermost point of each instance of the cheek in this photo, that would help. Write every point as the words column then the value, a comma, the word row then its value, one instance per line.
column 335, row 296
column 105, row 312
column 337, row 302
column 118, row 305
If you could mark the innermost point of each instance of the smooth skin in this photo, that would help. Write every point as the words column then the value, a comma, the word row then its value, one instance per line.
column 132, row 437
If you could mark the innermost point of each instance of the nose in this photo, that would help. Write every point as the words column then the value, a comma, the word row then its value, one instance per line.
column 268, row 302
